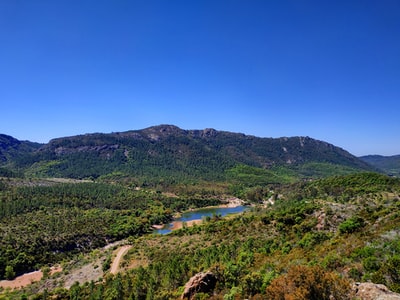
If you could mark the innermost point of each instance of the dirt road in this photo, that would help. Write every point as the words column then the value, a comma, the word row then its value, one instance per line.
column 120, row 254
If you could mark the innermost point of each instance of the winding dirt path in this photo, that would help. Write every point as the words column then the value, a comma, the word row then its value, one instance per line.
column 120, row 254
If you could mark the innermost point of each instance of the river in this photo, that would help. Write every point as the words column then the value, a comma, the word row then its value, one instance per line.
column 196, row 216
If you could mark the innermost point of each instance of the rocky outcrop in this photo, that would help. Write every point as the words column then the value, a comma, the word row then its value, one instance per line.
column 372, row 291
column 203, row 282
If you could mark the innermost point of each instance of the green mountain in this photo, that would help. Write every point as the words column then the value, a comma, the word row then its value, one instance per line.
column 169, row 153
column 388, row 164
column 12, row 150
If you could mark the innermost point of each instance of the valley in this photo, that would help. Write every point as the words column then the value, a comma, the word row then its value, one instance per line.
column 89, row 204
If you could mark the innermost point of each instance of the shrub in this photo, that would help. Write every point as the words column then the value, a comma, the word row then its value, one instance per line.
column 351, row 225
column 311, row 239
column 355, row 274
column 371, row 264
column 389, row 274
column 308, row 283
column 107, row 263
column 10, row 273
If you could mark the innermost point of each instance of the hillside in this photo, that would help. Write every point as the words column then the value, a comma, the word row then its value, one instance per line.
column 169, row 153
column 388, row 164
column 43, row 221
column 13, row 150
column 11, row 147
column 314, row 242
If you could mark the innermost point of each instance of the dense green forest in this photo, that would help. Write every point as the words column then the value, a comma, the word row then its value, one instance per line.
column 43, row 222
column 317, row 238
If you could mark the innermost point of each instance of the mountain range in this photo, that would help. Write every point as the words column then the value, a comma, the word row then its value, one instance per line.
column 169, row 152
column 388, row 164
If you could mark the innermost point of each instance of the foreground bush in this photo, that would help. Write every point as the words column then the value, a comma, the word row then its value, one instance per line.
column 308, row 283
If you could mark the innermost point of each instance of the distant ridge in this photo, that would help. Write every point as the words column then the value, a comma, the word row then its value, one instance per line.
column 388, row 164
column 10, row 147
column 166, row 151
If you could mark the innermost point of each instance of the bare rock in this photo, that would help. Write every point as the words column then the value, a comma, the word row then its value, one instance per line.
column 372, row 291
column 202, row 282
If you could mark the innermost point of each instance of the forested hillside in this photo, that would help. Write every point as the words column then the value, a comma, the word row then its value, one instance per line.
column 171, row 154
column 11, row 148
column 43, row 222
column 12, row 152
column 307, row 247
column 389, row 164
column 314, row 242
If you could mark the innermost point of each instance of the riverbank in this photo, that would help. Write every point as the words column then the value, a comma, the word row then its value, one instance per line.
column 179, row 224
column 231, row 202
column 197, row 216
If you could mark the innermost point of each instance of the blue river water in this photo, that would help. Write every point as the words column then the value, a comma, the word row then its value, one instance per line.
column 201, row 213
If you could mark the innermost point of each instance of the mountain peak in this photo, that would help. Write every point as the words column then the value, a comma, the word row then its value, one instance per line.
column 164, row 128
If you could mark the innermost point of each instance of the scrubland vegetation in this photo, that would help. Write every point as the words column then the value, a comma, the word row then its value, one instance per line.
column 314, row 242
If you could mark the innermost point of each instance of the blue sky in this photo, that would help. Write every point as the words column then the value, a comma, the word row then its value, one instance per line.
column 325, row 69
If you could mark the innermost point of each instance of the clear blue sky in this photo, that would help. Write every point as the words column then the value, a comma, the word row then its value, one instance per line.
column 325, row 69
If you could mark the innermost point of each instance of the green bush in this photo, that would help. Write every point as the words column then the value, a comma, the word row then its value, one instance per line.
column 371, row 264
column 351, row 225
column 107, row 264
column 311, row 239
column 10, row 273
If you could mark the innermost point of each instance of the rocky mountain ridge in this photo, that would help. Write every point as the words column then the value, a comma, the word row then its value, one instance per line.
column 171, row 151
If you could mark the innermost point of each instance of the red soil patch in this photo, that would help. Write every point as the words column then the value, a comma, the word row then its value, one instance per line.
column 27, row 279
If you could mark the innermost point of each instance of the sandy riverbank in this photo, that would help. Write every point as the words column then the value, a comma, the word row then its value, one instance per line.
column 228, row 203
column 179, row 224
